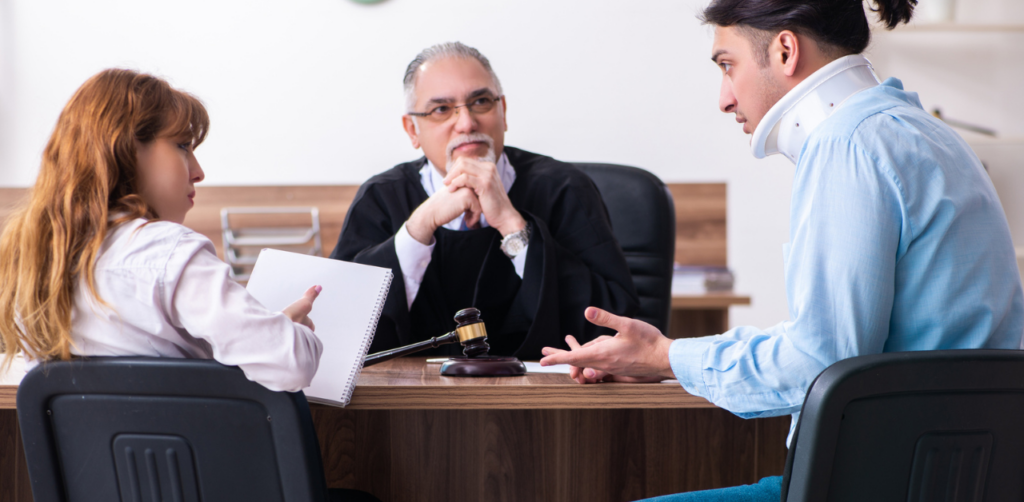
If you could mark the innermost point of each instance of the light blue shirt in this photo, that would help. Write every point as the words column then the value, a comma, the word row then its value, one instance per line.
column 897, row 243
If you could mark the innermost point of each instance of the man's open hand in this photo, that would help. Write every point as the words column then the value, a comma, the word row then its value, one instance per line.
column 637, row 353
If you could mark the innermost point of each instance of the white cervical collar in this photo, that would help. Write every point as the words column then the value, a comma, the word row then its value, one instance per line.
column 788, row 124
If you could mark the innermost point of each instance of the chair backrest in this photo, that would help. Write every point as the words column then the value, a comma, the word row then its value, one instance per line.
column 912, row 426
column 149, row 429
column 644, row 222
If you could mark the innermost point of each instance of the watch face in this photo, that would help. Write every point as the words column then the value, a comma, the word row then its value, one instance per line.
column 515, row 245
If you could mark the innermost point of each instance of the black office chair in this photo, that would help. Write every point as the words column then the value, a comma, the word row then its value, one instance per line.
column 164, row 429
column 644, row 222
column 912, row 426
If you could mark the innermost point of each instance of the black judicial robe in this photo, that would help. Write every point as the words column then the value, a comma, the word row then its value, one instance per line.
column 573, row 261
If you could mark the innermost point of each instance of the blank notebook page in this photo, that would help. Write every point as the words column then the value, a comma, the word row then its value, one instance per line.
column 345, row 313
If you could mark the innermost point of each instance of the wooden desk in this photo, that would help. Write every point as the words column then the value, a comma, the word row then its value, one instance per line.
column 411, row 434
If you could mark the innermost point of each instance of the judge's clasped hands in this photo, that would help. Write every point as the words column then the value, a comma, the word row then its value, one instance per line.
column 440, row 208
column 483, row 179
column 473, row 189
column 637, row 353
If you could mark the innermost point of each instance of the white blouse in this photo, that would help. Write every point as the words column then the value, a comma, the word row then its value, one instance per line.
column 170, row 296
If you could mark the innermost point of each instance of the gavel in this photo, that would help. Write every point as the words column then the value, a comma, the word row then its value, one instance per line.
column 471, row 332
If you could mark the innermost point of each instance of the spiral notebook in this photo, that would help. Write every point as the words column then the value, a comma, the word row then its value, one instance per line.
column 345, row 313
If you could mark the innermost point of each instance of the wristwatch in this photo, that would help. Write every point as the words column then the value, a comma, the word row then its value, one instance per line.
column 515, row 242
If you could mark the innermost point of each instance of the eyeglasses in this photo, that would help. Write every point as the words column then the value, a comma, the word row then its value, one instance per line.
column 441, row 113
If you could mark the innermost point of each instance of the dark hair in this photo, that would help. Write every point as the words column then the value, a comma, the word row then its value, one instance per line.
column 838, row 26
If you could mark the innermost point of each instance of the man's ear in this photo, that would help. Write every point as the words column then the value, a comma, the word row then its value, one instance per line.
column 409, row 124
column 784, row 52
column 504, row 114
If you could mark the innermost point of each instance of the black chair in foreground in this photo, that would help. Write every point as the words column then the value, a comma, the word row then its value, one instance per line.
column 644, row 222
column 164, row 429
column 912, row 427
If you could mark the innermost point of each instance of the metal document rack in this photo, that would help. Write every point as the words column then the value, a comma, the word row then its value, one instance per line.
column 242, row 243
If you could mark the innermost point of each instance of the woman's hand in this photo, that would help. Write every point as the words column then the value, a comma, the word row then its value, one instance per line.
column 299, row 311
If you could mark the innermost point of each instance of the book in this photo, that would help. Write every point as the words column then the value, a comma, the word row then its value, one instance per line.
column 345, row 313
column 699, row 280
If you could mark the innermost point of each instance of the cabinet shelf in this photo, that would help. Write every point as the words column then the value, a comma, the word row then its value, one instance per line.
column 957, row 27
column 1000, row 141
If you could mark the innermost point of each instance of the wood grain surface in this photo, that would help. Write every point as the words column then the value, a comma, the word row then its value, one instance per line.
column 700, row 223
column 14, row 481
column 410, row 383
column 712, row 300
column 543, row 455
column 8, row 397
column 700, row 213
column 534, row 438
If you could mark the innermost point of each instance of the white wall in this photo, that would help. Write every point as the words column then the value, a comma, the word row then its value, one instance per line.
column 974, row 77
column 309, row 92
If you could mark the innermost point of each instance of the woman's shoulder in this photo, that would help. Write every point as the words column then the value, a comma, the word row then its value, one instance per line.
column 151, row 244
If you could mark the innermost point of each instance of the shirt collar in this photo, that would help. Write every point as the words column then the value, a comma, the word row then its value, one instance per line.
column 432, row 180
column 789, row 123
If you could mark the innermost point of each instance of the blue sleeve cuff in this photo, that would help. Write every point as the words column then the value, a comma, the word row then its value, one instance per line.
column 686, row 356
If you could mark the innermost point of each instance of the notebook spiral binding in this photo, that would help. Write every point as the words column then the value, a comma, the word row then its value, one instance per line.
column 350, row 385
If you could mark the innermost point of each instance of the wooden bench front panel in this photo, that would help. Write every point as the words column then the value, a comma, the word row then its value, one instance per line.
column 700, row 213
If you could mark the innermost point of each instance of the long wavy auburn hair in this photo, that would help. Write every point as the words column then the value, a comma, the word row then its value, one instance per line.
column 88, row 173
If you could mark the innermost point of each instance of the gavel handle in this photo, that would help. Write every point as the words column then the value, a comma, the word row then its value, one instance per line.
column 388, row 355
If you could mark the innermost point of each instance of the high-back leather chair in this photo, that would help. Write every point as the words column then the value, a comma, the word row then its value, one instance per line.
column 156, row 429
column 644, row 222
column 912, row 426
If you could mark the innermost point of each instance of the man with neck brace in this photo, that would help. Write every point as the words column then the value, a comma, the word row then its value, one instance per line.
column 522, row 237
column 897, row 238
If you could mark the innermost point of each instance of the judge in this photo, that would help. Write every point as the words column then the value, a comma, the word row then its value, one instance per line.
column 523, row 237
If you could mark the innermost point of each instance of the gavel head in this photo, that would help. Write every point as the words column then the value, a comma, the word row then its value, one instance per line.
column 472, row 332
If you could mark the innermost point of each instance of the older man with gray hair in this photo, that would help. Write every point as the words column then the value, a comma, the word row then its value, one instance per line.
column 523, row 237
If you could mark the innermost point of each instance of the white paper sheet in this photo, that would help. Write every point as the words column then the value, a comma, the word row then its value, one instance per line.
column 532, row 367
